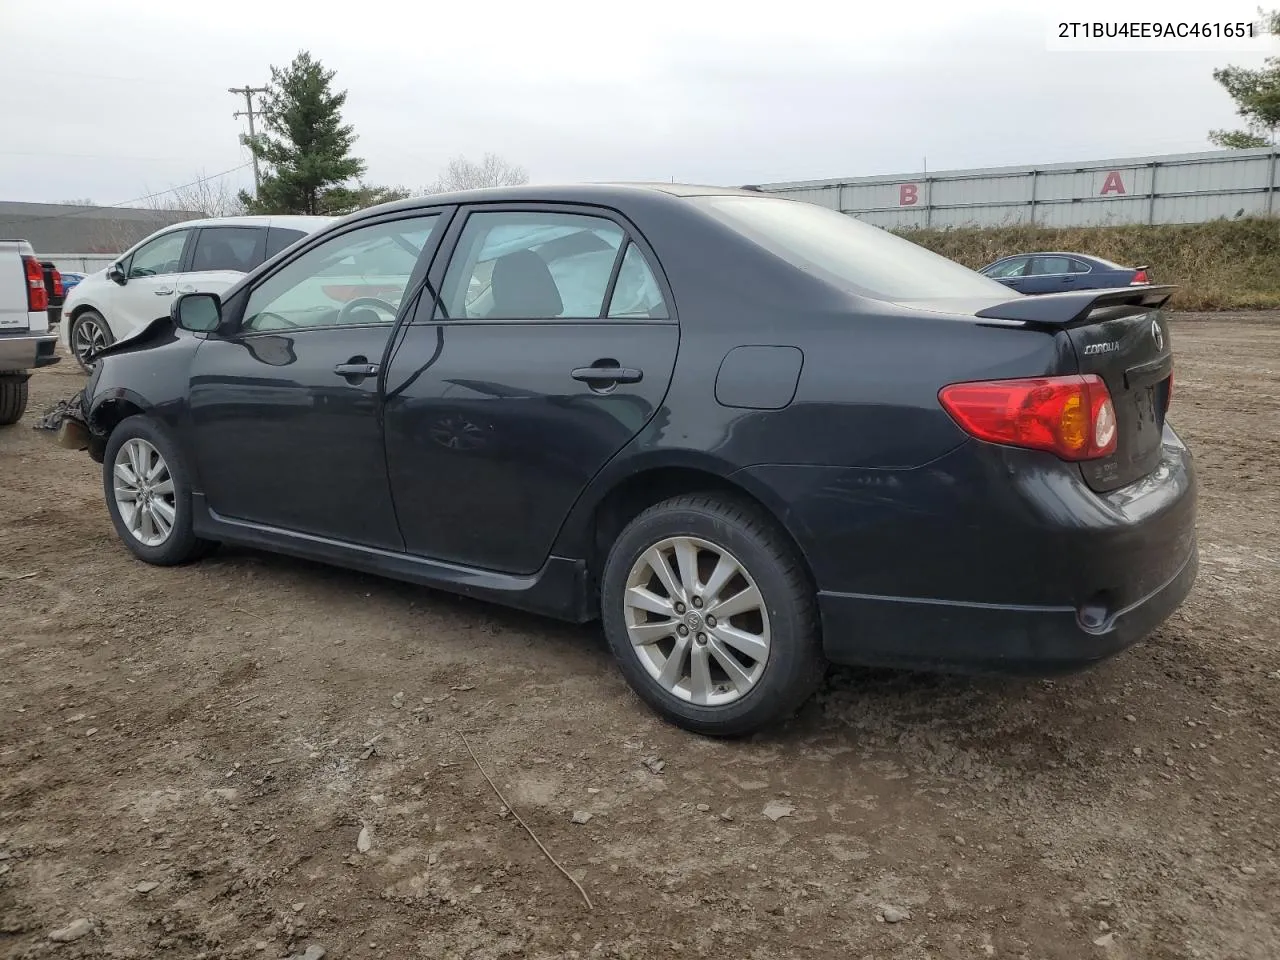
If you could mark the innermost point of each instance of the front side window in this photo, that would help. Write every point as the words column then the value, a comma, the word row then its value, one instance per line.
column 161, row 255
column 847, row 253
column 531, row 266
column 358, row 277
column 227, row 248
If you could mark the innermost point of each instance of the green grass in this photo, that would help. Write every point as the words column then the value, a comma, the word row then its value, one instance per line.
column 1220, row 265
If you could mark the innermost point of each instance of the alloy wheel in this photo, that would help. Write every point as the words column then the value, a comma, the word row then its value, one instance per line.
column 697, row 621
column 88, row 338
column 144, row 492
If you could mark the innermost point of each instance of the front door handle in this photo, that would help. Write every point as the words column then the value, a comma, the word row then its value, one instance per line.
column 187, row 289
column 164, row 291
column 610, row 374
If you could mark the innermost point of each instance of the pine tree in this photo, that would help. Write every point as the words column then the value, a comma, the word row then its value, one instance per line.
column 307, row 147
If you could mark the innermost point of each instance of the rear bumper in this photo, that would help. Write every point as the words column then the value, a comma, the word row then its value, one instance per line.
column 991, row 558
column 27, row 351
column 957, row 637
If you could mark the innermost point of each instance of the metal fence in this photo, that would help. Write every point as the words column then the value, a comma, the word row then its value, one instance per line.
column 1176, row 188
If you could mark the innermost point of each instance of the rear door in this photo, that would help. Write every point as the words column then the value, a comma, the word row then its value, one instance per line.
column 1049, row 275
column 1130, row 349
column 551, row 347
column 220, row 256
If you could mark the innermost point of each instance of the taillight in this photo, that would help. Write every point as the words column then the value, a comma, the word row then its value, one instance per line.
column 58, row 290
column 37, row 295
column 1070, row 416
column 1139, row 277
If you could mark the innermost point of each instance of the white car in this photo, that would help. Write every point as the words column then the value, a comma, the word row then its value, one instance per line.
column 198, row 256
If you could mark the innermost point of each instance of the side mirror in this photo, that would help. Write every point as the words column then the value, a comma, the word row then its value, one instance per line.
column 115, row 273
column 197, row 312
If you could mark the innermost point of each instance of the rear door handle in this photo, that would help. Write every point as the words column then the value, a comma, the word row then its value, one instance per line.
column 164, row 291
column 608, row 375
column 356, row 369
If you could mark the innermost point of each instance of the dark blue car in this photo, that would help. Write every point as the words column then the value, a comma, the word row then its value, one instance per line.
column 1058, row 272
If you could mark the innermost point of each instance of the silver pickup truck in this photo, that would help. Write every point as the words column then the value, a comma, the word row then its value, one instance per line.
column 26, row 342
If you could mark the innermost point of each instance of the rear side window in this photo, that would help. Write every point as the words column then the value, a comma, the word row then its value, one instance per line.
column 278, row 238
column 846, row 252
column 1079, row 266
column 636, row 294
column 531, row 266
column 1049, row 266
column 228, row 248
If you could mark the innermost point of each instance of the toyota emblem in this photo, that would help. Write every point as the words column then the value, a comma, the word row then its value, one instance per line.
column 1157, row 334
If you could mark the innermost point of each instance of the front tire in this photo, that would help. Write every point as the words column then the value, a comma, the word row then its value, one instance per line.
column 711, row 615
column 148, row 494
column 13, row 398
column 88, row 333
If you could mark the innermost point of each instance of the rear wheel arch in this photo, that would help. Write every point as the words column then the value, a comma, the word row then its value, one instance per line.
column 631, row 495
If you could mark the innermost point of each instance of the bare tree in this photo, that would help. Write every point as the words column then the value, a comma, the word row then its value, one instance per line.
column 205, row 196
column 464, row 174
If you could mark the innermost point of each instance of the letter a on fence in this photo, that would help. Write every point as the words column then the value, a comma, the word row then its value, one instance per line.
column 1113, row 184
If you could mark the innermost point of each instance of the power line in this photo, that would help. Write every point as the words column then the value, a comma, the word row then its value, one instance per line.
column 248, row 93
column 125, row 203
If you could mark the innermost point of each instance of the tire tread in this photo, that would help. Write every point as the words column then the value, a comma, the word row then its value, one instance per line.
column 13, row 399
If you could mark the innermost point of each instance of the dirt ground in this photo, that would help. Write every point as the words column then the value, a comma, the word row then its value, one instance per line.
column 194, row 760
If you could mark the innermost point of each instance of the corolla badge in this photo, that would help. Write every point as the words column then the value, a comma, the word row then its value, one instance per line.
column 1110, row 346
column 1157, row 334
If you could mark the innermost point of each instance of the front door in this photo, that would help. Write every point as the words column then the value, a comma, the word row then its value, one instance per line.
column 285, row 411
column 151, row 275
column 551, row 348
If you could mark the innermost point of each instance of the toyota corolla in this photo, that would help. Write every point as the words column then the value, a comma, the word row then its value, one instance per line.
column 749, row 435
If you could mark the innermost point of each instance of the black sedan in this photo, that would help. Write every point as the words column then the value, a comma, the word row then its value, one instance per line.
column 749, row 434
column 1058, row 272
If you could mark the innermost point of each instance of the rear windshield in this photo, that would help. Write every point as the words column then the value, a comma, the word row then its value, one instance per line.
column 848, row 253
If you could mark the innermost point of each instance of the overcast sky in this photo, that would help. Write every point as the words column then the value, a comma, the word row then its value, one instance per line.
column 113, row 100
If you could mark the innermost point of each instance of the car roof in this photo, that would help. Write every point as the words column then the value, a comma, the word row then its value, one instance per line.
column 296, row 222
column 1055, row 253
column 600, row 193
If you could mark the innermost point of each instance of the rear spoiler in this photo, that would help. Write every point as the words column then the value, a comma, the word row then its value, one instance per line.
column 1065, row 309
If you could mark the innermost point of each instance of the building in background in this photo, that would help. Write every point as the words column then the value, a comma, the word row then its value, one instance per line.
column 83, row 238
column 1176, row 188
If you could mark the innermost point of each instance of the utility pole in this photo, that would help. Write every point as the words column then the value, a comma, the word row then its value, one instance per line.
column 248, row 92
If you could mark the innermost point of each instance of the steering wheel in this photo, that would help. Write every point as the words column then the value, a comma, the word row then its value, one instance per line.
column 259, row 317
column 344, row 315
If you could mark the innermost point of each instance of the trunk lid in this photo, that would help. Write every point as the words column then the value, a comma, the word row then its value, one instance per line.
column 1123, row 337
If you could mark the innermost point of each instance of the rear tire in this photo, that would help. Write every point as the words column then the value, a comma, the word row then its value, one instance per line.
column 148, row 494
column 13, row 398
column 88, row 329
column 725, row 675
